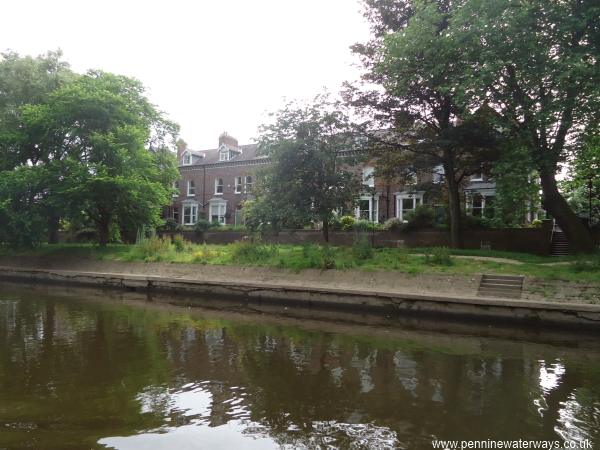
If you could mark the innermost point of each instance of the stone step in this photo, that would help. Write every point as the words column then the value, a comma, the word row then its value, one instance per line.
column 498, row 293
column 499, row 286
column 518, row 278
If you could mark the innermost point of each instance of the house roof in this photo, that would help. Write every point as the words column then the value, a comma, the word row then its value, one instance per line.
column 211, row 156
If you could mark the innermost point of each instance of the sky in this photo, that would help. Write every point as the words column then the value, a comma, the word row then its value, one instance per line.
column 211, row 65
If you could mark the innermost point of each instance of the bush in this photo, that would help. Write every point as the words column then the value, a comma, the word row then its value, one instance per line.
column 362, row 249
column 327, row 258
column 202, row 225
column 204, row 255
column 421, row 217
column 153, row 247
column 473, row 222
column 178, row 243
column 347, row 223
column 439, row 256
column 537, row 223
column 171, row 225
column 363, row 225
column 251, row 252
column 587, row 265
column 394, row 224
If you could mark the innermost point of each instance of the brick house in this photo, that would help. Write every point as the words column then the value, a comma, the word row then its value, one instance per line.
column 214, row 183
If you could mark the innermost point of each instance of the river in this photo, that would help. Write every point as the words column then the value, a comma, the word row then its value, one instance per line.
column 82, row 369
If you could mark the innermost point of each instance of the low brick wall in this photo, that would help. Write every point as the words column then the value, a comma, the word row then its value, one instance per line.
column 531, row 240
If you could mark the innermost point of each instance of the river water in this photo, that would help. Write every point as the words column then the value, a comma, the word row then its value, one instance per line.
column 82, row 369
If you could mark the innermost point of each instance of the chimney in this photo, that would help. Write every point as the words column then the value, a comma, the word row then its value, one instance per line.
column 181, row 146
column 227, row 140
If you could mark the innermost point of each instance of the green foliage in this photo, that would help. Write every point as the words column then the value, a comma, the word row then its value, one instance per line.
column 421, row 217
column 587, row 264
column 305, row 182
column 394, row 224
column 171, row 225
column 152, row 248
column 347, row 223
column 202, row 225
column 517, row 186
column 362, row 249
column 91, row 148
column 250, row 252
column 178, row 243
column 439, row 256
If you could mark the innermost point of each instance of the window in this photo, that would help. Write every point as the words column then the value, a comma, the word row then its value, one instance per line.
column 477, row 205
column 238, row 185
column 187, row 159
column 217, row 212
column 190, row 214
column 369, row 176
column 405, row 203
column 175, row 214
column 477, row 177
column 219, row 186
column 438, row 174
column 176, row 188
column 224, row 155
column 367, row 209
column 248, row 184
column 191, row 188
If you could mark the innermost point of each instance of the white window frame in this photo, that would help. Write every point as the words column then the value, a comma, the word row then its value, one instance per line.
column 224, row 155
column 186, row 159
column 248, row 186
column 176, row 187
column 417, row 198
column 221, row 212
column 193, row 213
column 477, row 177
column 373, row 211
column 191, row 188
column 368, row 176
column 221, row 184
column 238, row 185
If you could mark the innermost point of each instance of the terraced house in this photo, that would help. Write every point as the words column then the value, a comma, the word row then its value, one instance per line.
column 214, row 184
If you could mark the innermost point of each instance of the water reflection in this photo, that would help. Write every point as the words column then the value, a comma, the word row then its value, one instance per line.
column 76, row 373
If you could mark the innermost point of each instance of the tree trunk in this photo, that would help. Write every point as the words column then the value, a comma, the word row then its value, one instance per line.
column 578, row 235
column 103, row 230
column 53, row 224
column 326, row 230
column 456, row 237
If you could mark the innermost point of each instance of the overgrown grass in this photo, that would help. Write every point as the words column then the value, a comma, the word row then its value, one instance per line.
column 310, row 256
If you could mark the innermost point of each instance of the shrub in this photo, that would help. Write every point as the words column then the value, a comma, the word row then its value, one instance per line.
column 439, row 256
column 202, row 225
column 362, row 249
column 153, row 247
column 537, row 223
column 178, row 243
column 327, row 258
column 204, row 255
column 421, row 217
column 473, row 222
column 251, row 252
column 587, row 265
column 363, row 225
column 394, row 224
column 347, row 223
column 171, row 225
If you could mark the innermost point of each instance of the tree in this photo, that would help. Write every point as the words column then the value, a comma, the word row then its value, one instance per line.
column 112, row 166
column 583, row 183
column 417, row 101
column 25, row 81
column 307, row 180
column 536, row 63
column 95, row 148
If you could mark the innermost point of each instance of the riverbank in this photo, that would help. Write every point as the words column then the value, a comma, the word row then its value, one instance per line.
column 402, row 295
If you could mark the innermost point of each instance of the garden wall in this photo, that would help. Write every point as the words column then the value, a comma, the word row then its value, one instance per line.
column 532, row 240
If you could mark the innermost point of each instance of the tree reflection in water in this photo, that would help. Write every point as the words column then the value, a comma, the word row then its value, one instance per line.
column 77, row 373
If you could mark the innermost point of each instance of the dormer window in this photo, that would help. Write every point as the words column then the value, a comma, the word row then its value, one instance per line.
column 368, row 177
column 224, row 155
column 187, row 159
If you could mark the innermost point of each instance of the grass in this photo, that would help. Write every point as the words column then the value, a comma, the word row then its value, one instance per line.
column 300, row 257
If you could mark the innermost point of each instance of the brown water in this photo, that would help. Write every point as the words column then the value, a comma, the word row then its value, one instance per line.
column 81, row 371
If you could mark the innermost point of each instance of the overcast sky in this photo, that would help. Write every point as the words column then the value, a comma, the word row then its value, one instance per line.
column 213, row 66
